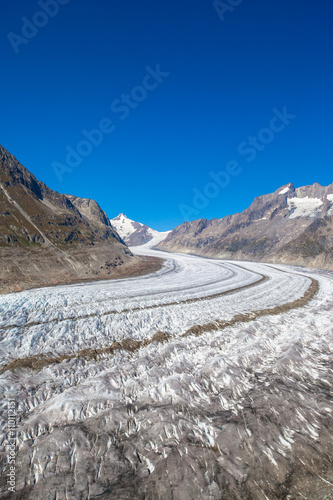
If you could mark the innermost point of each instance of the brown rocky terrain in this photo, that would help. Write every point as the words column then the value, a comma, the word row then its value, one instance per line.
column 48, row 238
column 293, row 226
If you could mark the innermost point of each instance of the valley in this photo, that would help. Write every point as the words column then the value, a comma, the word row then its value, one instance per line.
column 205, row 379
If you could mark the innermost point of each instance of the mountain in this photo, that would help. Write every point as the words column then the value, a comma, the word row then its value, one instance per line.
column 291, row 225
column 135, row 233
column 91, row 210
column 48, row 238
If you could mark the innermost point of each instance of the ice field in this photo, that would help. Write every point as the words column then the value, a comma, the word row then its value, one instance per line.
column 240, row 412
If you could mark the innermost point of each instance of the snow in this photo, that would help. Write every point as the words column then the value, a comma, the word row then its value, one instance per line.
column 157, row 237
column 284, row 190
column 125, row 227
column 330, row 198
column 157, row 395
column 182, row 294
column 263, row 218
column 304, row 207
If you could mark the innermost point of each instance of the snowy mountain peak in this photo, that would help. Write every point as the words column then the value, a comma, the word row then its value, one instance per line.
column 124, row 226
column 121, row 216
column 285, row 189
column 135, row 233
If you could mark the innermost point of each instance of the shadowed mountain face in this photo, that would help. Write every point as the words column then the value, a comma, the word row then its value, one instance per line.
column 292, row 226
column 49, row 238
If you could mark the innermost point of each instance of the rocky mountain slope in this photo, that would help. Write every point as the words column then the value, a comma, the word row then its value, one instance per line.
column 48, row 238
column 135, row 233
column 291, row 225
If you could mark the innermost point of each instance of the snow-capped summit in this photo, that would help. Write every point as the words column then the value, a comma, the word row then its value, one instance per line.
column 136, row 233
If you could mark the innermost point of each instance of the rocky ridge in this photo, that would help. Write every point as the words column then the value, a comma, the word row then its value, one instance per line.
column 291, row 225
column 48, row 238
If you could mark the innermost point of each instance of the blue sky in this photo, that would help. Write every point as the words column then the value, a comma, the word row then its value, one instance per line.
column 223, row 74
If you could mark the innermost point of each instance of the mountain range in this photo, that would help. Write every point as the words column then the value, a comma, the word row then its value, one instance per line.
column 290, row 226
column 48, row 238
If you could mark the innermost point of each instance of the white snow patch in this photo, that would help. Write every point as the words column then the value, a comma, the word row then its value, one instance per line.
column 262, row 218
column 284, row 191
column 304, row 207
column 157, row 237
column 330, row 198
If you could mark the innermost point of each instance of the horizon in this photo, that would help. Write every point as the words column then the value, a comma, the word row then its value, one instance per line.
column 169, row 112
column 170, row 229
column 234, row 213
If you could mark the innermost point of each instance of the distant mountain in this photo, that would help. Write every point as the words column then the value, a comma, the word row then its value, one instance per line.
column 135, row 233
column 293, row 226
column 48, row 238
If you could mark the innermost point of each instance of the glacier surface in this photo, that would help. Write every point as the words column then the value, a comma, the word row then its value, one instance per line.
column 243, row 412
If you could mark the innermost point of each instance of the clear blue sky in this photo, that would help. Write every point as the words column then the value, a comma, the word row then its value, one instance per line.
column 225, row 79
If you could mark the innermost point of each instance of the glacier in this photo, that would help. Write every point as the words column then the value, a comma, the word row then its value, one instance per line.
column 240, row 412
